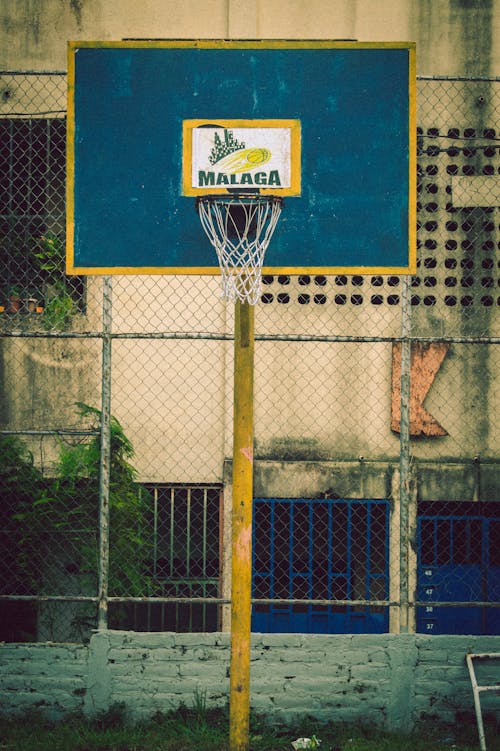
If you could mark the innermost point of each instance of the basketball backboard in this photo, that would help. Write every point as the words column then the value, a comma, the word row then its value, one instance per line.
column 328, row 125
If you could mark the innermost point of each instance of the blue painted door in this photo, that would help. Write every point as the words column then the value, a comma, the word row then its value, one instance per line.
column 493, row 575
column 321, row 550
column 458, row 561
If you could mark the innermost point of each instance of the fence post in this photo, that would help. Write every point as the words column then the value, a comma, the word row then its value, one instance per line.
column 105, row 457
column 404, row 457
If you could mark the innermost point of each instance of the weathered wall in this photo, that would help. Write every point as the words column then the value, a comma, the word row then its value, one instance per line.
column 389, row 681
column 43, row 380
column 172, row 431
column 453, row 36
column 49, row 677
column 156, row 403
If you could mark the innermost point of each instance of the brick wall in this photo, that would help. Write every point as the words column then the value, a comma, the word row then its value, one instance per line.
column 387, row 680
column 49, row 677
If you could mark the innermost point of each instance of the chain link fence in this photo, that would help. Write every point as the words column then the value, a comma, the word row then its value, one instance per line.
column 376, row 438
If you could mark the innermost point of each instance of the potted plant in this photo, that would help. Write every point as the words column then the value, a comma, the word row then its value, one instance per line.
column 60, row 306
column 31, row 301
column 14, row 299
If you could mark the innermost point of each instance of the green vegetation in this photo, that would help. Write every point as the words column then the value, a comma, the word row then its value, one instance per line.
column 39, row 282
column 20, row 484
column 52, row 524
column 59, row 312
column 60, row 306
column 195, row 729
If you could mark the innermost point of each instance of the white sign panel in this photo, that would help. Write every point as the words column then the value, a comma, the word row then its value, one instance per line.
column 241, row 157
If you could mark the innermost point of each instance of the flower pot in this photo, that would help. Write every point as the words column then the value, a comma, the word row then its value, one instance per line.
column 14, row 304
column 31, row 304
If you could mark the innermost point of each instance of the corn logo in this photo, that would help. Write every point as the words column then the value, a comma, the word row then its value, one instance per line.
column 228, row 157
column 244, row 160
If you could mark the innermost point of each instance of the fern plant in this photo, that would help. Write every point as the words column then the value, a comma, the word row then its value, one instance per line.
column 58, row 522
column 20, row 485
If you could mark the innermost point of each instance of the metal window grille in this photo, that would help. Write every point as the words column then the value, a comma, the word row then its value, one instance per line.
column 33, row 285
column 320, row 550
column 459, row 563
column 184, row 523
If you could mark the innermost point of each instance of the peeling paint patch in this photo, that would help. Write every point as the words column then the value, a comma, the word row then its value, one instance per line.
column 247, row 453
column 244, row 539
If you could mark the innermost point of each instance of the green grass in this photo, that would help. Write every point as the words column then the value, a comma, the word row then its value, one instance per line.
column 202, row 729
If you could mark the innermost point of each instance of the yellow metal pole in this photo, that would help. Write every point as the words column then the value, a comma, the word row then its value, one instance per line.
column 241, row 572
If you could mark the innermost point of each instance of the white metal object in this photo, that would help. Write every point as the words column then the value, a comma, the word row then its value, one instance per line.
column 240, row 227
column 477, row 689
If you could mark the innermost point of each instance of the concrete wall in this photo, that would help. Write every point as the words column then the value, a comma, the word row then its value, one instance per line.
column 42, row 381
column 181, row 422
column 389, row 681
column 453, row 36
column 50, row 677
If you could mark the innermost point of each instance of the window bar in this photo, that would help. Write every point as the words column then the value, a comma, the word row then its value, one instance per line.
column 162, row 607
column 10, row 200
column 137, row 610
column 310, row 555
column 484, row 557
column 155, row 532
column 188, row 532
column 290, row 554
column 177, row 606
column 204, row 559
column 291, row 575
column 203, row 606
column 349, row 559
column 469, row 549
column 387, row 554
column 368, row 564
column 171, row 558
column 330, row 563
column 29, row 182
column 220, row 548
column 434, row 541
column 171, row 533
column 204, row 552
column 11, row 168
column 451, row 535
column 272, row 577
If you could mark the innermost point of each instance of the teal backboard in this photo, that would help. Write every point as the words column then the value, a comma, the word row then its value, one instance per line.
column 348, row 112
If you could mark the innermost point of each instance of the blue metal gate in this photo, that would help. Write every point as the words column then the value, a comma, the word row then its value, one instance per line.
column 320, row 550
column 458, row 561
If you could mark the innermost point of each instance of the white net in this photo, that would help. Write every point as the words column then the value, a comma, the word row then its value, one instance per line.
column 240, row 228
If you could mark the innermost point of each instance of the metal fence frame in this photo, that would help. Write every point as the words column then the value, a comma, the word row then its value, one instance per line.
column 107, row 336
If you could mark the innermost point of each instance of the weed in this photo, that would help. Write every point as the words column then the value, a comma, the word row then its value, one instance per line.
column 199, row 728
column 114, row 717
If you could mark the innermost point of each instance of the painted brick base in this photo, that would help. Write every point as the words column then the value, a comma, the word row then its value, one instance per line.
column 392, row 681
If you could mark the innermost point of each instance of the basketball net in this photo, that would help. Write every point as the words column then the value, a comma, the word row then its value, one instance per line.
column 240, row 228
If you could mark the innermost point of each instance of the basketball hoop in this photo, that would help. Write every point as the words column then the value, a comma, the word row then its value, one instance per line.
column 240, row 227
